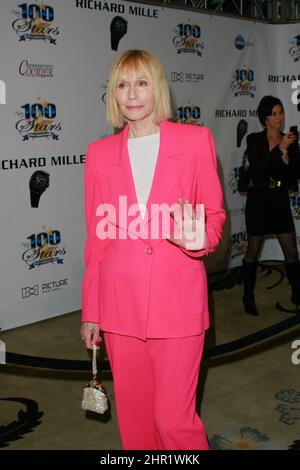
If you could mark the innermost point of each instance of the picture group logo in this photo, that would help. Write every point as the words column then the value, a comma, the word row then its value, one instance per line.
column 43, row 248
column 35, row 21
column 238, row 244
column 294, row 51
column 30, row 291
column 295, row 206
column 186, row 77
column 243, row 82
column 43, row 288
column 189, row 114
column 37, row 120
column 237, row 212
column 187, row 39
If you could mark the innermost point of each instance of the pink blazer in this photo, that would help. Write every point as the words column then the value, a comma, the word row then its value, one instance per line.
column 145, row 287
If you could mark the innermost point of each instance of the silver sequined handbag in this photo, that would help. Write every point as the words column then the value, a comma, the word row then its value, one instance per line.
column 94, row 393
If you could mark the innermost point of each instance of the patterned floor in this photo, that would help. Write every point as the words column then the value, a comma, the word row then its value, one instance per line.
column 249, row 397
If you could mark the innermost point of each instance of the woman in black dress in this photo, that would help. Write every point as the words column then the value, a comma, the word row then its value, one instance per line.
column 274, row 161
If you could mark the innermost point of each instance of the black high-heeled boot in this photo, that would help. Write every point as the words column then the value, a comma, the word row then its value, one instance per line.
column 249, row 279
column 293, row 275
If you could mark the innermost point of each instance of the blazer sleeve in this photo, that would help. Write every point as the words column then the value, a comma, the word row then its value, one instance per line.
column 209, row 193
column 94, row 246
column 294, row 160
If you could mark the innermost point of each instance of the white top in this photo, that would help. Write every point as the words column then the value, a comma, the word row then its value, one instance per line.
column 143, row 152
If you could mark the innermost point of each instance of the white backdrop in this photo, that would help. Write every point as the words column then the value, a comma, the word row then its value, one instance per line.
column 54, row 62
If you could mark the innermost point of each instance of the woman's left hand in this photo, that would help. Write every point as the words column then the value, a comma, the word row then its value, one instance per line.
column 191, row 226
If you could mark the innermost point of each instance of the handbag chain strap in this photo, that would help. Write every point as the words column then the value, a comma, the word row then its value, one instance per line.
column 94, row 362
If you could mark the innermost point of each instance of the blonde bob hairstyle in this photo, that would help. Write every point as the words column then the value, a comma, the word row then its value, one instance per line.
column 135, row 60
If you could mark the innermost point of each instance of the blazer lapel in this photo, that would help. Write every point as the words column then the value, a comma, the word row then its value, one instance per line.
column 169, row 164
column 264, row 140
column 120, row 183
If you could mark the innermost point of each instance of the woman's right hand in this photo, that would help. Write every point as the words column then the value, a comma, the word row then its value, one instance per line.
column 90, row 334
column 287, row 140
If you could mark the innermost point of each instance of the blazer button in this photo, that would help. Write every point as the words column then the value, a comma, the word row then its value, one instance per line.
column 149, row 251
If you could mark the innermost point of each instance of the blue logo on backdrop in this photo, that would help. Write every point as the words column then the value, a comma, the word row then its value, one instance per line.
column 295, row 206
column 238, row 244
column 187, row 39
column 35, row 22
column 43, row 248
column 295, row 50
column 239, row 42
column 243, row 83
column 190, row 114
column 37, row 120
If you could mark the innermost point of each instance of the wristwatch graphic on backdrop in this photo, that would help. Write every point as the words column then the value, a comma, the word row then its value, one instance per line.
column 118, row 29
column 38, row 183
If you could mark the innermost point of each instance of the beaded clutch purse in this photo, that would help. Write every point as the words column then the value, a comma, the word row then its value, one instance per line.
column 94, row 393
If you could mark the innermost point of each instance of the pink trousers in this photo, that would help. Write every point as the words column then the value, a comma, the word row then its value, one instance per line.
column 155, row 385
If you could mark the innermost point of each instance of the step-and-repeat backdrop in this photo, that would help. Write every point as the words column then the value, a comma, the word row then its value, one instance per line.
column 54, row 62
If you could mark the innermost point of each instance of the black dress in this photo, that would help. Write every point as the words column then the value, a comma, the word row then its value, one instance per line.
column 268, row 210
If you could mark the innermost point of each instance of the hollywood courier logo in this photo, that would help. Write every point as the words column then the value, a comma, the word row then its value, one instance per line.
column 27, row 69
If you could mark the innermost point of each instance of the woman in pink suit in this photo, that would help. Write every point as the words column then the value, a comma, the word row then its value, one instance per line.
column 153, row 210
